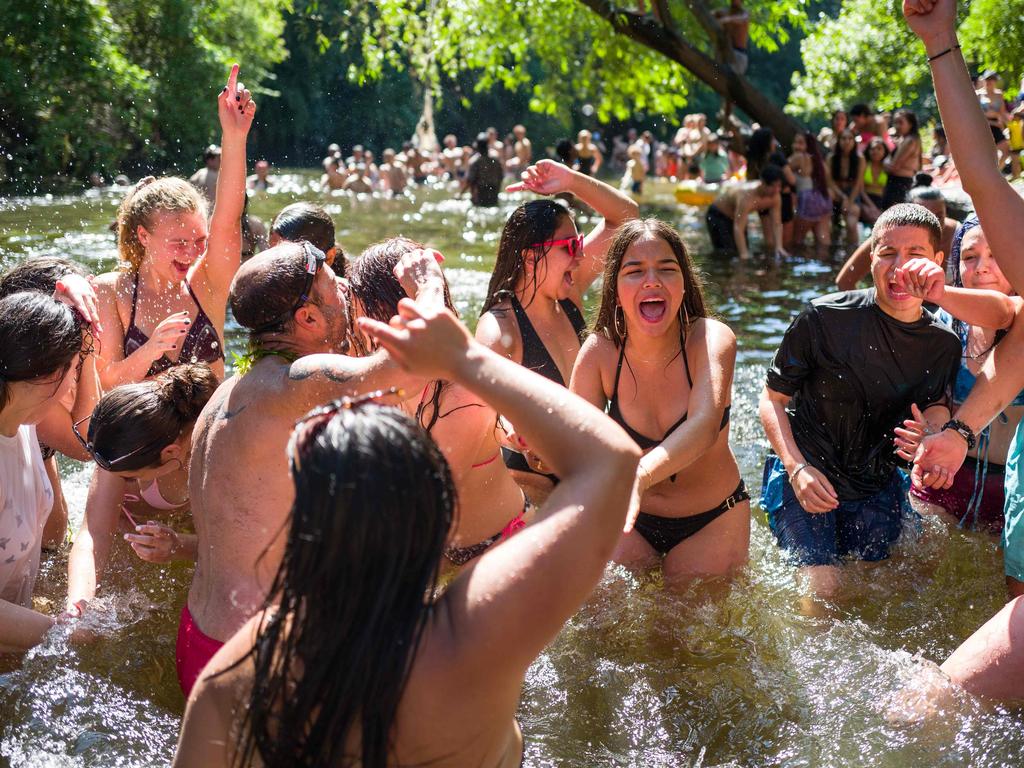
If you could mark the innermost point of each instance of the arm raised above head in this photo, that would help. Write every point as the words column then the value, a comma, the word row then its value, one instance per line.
column 501, row 611
column 999, row 207
column 235, row 109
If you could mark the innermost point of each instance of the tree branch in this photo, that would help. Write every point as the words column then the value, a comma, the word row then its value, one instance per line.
column 645, row 30
column 708, row 23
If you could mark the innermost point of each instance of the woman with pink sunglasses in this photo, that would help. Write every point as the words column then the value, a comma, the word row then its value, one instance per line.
column 533, row 311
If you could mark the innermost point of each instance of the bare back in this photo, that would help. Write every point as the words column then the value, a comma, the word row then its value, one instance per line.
column 241, row 494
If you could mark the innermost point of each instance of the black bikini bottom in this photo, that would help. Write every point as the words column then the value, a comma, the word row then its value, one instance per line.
column 517, row 462
column 664, row 533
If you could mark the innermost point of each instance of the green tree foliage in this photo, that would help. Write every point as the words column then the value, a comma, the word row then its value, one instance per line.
column 106, row 85
column 867, row 54
column 630, row 59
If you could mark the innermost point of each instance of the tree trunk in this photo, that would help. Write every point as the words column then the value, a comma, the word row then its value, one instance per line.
column 650, row 32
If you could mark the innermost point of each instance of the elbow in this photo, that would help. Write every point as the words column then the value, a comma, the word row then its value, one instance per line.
column 624, row 460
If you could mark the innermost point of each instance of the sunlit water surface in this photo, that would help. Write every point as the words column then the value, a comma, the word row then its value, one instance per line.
column 724, row 675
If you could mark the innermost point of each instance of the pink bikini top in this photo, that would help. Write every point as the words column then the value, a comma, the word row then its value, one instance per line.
column 151, row 495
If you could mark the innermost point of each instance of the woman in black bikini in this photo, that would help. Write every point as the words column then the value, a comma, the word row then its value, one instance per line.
column 533, row 311
column 660, row 366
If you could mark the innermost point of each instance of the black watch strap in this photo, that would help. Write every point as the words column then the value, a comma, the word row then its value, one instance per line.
column 963, row 430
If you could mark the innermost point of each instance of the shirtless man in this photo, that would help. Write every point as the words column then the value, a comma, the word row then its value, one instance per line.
column 392, row 174
column 523, row 152
column 297, row 312
column 452, row 158
column 334, row 174
column 727, row 216
column 736, row 22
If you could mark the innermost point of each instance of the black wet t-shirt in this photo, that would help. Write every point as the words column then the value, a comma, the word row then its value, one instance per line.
column 853, row 372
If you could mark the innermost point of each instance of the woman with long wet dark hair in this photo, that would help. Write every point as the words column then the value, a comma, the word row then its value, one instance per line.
column 493, row 507
column 813, row 201
column 42, row 347
column 846, row 181
column 348, row 664
column 662, row 368
column 533, row 313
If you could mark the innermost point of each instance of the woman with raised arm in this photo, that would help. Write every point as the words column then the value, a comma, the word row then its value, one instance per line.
column 655, row 354
column 44, row 347
column 533, row 313
column 374, row 505
column 141, row 434
column 169, row 304
column 492, row 506
column 992, row 661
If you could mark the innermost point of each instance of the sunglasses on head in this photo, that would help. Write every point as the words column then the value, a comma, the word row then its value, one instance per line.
column 572, row 244
column 313, row 422
column 109, row 464
column 314, row 261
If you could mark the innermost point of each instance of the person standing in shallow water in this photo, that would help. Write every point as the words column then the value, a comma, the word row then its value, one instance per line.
column 374, row 504
column 654, row 354
column 533, row 312
column 847, row 372
column 484, row 175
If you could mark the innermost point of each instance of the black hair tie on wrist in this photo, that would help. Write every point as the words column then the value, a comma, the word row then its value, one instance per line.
column 943, row 53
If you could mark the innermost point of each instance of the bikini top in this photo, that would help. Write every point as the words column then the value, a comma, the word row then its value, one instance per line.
column 871, row 180
column 201, row 344
column 150, row 494
column 643, row 441
column 535, row 355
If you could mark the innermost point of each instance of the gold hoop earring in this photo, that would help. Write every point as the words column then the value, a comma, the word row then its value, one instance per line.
column 615, row 321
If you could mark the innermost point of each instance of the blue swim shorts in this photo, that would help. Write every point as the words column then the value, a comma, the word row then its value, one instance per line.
column 863, row 529
column 1013, row 511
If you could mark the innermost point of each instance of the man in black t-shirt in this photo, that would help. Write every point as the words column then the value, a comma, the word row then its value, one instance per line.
column 484, row 175
column 846, row 373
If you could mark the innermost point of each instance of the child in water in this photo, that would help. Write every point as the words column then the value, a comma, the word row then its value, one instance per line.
column 633, row 178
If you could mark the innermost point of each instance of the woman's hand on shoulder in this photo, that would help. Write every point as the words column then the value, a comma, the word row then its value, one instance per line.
column 235, row 107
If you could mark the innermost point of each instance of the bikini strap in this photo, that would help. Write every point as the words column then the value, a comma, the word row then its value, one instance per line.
column 135, row 297
column 686, row 364
column 618, row 372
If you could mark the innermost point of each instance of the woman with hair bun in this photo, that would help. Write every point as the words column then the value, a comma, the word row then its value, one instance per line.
column 42, row 348
column 141, row 434
column 310, row 222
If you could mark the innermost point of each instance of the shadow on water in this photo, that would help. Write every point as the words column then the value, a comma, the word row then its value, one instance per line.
column 719, row 675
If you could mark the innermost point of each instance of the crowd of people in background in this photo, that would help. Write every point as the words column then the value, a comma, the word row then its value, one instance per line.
column 367, row 443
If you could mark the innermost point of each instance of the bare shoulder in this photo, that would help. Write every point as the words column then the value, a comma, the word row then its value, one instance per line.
column 498, row 331
column 598, row 351
column 110, row 284
column 715, row 335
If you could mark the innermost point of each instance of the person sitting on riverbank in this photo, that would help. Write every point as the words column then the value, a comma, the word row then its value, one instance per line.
column 374, row 505
column 309, row 222
column 975, row 499
column 141, row 433
column 533, row 312
column 492, row 506
column 832, row 398
column 655, row 353
column 858, row 266
column 44, row 344
column 297, row 312
column 726, row 217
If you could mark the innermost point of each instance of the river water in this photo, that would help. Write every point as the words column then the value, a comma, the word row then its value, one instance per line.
column 728, row 674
